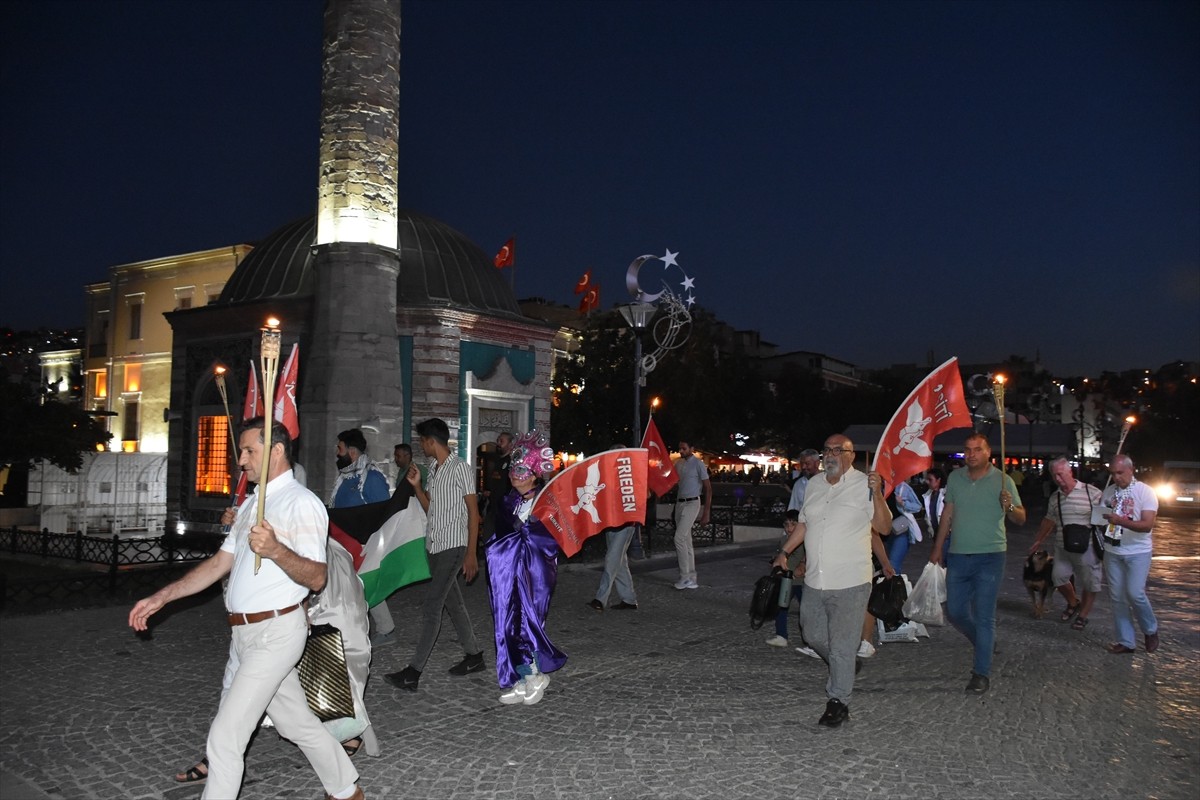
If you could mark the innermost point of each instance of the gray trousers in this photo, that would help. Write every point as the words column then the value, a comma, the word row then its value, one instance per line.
column 443, row 592
column 832, row 620
column 616, row 567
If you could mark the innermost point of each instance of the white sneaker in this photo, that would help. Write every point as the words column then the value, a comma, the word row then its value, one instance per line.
column 535, row 687
column 808, row 651
column 514, row 695
column 777, row 641
column 866, row 649
column 685, row 584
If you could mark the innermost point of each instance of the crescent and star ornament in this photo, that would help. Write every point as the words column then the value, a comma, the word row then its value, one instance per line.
column 633, row 285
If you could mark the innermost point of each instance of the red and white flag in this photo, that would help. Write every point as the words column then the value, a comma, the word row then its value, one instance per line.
column 591, row 300
column 603, row 491
column 661, row 469
column 252, row 406
column 584, row 282
column 507, row 255
column 936, row 405
column 285, row 412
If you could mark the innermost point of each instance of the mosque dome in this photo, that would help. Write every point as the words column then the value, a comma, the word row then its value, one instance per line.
column 438, row 267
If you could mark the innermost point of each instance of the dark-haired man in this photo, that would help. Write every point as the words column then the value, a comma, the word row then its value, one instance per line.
column 451, row 539
column 979, row 499
column 266, row 613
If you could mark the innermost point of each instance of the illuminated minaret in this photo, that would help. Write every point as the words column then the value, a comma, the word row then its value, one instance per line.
column 353, row 364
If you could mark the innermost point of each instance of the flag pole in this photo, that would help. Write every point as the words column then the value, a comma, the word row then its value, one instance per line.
column 269, row 356
column 998, row 392
column 512, row 276
column 220, row 380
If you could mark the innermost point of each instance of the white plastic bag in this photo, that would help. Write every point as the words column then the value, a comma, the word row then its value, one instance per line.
column 924, row 602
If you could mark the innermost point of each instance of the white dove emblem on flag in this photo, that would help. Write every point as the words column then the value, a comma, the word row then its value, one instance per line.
column 910, row 434
column 587, row 493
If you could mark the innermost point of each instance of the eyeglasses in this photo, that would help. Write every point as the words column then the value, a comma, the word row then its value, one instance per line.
column 833, row 451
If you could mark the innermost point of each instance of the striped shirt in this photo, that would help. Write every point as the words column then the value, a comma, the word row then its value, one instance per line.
column 1076, row 509
column 449, row 482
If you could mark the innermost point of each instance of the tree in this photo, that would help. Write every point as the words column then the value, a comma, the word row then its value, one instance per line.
column 52, row 431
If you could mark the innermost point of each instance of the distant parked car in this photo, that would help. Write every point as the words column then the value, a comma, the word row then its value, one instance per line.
column 1178, row 485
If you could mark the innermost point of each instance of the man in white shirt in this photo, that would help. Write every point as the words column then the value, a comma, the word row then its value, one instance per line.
column 810, row 465
column 1128, row 546
column 841, row 507
column 266, row 613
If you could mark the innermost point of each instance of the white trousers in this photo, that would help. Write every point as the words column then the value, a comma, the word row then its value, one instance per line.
column 266, row 681
column 685, row 517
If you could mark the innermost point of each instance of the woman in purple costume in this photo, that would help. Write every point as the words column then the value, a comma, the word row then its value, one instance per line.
column 522, row 569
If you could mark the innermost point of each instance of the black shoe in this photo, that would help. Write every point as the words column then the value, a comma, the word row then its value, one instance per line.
column 595, row 605
column 406, row 678
column 468, row 665
column 623, row 606
column 978, row 684
column 836, row 712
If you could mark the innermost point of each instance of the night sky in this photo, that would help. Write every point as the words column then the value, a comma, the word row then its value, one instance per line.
column 867, row 180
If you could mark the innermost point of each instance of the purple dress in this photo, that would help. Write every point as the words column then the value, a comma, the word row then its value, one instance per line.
column 522, row 568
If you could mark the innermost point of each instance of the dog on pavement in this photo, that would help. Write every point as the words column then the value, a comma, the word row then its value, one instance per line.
column 1038, row 575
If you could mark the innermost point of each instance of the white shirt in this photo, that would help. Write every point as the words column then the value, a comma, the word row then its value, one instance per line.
column 1130, row 502
column 798, row 490
column 301, row 524
column 837, row 536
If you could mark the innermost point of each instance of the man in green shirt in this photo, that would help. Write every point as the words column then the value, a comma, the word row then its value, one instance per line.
column 979, row 499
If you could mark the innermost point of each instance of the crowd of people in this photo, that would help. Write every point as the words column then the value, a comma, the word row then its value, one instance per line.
column 842, row 528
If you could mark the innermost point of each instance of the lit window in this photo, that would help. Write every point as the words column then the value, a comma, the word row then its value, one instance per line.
column 101, row 385
column 212, row 457
column 133, row 377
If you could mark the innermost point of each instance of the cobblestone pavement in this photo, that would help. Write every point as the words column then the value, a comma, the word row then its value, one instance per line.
column 680, row 699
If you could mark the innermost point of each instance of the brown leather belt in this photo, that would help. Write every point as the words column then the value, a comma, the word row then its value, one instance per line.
column 246, row 619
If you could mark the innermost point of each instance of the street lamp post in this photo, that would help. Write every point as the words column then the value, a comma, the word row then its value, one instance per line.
column 637, row 317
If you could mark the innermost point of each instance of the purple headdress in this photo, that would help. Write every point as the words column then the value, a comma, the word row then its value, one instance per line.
column 531, row 456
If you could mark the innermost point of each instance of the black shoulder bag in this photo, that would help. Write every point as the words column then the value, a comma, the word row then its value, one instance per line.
column 1076, row 538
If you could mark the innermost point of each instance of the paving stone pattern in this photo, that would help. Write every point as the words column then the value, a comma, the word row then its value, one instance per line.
column 680, row 699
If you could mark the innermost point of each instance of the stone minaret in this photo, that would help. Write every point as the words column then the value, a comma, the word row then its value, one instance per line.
column 352, row 368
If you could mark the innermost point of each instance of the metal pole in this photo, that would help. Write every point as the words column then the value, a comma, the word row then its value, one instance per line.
column 637, row 388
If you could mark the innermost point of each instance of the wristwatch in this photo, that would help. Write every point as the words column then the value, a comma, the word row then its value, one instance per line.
column 1011, row 508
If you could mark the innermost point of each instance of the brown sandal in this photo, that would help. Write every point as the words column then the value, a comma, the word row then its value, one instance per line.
column 351, row 746
column 193, row 774
column 1070, row 612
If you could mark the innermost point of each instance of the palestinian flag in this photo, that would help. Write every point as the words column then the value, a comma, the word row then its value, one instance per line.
column 386, row 541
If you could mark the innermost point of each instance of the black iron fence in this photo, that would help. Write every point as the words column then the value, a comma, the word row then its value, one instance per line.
column 124, row 565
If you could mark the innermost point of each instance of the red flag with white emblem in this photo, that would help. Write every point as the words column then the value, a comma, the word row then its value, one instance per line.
column 584, row 282
column 591, row 300
column 286, row 412
column 936, row 405
column 252, row 406
column 662, row 475
column 507, row 254
column 603, row 491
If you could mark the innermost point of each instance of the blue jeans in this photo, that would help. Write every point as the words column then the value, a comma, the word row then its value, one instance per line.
column 1127, row 589
column 782, row 616
column 972, row 587
column 897, row 548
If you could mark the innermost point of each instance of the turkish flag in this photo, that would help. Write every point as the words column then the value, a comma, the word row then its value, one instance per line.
column 584, row 283
column 239, row 494
column 591, row 300
column 252, row 406
column 285, row 412
column 604, row 491
column 507, row 255
column 936, row 405
column 662, row 476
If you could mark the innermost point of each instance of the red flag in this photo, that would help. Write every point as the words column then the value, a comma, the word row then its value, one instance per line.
column 936, row 405
column 662, row 475
column 584, row 283
column 239, row 494
column 285, row 411
column 591, row 300
column 507, row 255
column 253, row 404
column 604, row 491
